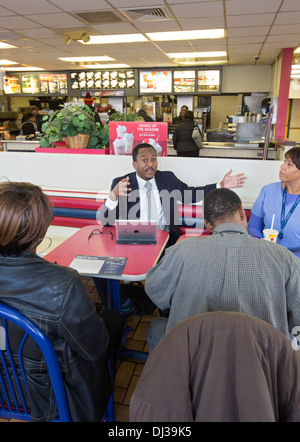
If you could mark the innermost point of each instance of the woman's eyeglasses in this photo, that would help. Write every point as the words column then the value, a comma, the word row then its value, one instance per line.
column 103, row 232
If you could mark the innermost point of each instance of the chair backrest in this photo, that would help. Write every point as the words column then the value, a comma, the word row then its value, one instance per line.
column 12, row 400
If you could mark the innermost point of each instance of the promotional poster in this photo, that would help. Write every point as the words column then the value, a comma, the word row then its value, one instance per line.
column 124, row 136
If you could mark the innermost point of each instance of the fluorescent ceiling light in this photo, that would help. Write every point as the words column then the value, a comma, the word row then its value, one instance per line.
column 192, row 55
column 105, row 66
column 200, row 62
column 3, row 62
column 295, row 66
column 120, row 38
column 186, row 35
column 6, row 45
column 24, row 68
column 78, row 59
column 297, row 51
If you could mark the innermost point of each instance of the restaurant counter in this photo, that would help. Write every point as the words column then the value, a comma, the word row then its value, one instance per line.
column 19, row 145
column 234, row 150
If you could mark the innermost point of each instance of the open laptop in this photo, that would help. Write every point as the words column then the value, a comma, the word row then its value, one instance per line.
column 136, row 232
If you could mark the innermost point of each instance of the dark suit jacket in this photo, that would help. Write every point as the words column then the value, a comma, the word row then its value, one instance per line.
column 171, row 190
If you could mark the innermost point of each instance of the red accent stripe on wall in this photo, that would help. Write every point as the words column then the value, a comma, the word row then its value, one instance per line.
column 284, row 89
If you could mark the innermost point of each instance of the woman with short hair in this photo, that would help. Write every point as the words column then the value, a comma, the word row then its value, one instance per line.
column 56, row 300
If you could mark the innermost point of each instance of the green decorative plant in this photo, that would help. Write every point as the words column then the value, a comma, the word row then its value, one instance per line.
column 125, row 117
column 104, row 135
column 68, row 122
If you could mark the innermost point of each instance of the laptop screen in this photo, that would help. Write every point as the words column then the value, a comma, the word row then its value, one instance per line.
column 136, row 232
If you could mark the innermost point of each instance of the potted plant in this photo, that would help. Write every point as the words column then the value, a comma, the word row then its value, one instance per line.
column 75, row 125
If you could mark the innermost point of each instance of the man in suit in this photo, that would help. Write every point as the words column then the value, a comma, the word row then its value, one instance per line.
column 128, row 199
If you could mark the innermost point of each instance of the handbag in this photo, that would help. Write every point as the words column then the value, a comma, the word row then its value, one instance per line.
column 196, row 135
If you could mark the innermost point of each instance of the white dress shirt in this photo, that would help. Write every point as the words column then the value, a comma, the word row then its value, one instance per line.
column 110, row 204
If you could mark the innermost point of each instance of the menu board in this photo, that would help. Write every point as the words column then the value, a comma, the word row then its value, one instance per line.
column 209, row 81
column 30, row 84
column 113, row 79
column 184, row 81
column 12, row 84
column 155, row 82
column 53, row 83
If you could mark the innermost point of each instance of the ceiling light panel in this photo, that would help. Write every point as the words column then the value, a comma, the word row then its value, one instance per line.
column 84, row 59
column 6, row 45
column 192, row 55
column 106, row 66
column 187, row 35
column 26, row 68
column 119, row 38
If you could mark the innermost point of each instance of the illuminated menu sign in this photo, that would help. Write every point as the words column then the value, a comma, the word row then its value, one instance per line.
column 155, row 82
column 209, row 81
column 12, row 84
column 53, row 83
column 30, row 84
column 112, row 79
column 184, row 81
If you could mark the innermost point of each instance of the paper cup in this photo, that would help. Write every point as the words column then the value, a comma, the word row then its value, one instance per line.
column 119, row 147
column 270, row 234
column 128, row 140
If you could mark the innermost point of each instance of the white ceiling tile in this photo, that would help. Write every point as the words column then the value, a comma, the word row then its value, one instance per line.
column 284, row 29
column 136, row 4
column 284, row 18
column 5, row 12
column 192, row 10
column 248, row 32
column 239, row 7
column 246, row 40
column 39, row 32
column 250, row 20
column 16, row 22
column 56, row 20
column 291, row 5
column 287, row 37
column 37, row 27
column 202, row 23
column 81, row 5
column 30, row 6
column 245, row 48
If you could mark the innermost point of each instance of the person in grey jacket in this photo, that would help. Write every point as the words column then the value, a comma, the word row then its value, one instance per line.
column 226, row 271
column 182, row 138
column 55, row 299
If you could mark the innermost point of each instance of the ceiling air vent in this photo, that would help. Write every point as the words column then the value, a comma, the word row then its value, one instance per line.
column 100, row 17
column 146, row 14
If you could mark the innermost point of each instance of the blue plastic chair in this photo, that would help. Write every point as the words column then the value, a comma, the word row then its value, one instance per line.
column 10, row 384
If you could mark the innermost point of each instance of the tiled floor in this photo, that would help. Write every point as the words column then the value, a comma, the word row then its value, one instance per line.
column 128, row 370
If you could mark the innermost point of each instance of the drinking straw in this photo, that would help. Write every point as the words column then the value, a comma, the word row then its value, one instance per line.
column 273, row 221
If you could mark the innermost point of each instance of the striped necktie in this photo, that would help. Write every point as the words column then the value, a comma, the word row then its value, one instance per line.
column 148, row 187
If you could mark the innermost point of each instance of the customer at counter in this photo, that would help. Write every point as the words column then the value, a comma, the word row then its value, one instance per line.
column 29, row 127
column 277, row 205
column 179, row 119
column 143, row 113
column 183, row 141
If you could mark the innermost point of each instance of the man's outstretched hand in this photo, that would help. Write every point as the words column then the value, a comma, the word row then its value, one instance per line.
column 230, row 182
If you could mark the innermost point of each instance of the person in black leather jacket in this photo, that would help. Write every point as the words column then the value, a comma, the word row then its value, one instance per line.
column 182, row 138
column 56, row 300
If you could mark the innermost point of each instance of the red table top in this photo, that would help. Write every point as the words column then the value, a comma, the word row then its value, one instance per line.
column 140, row 257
